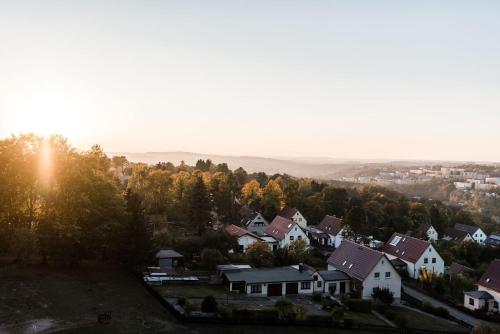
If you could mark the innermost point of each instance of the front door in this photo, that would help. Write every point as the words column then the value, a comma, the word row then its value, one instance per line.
column 332, row 288
column 342, row 287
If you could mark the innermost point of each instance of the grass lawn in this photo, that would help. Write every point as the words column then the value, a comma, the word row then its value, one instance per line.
column 364, row 318
column 198, row 291
column 423, row 321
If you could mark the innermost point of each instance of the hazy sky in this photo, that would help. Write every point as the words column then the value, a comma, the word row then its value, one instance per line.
column 345, row 79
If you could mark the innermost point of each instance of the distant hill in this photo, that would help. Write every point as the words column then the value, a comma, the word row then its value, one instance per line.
column 325, row 168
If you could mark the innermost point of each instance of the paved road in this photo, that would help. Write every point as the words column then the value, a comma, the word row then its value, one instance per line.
column 453, row 311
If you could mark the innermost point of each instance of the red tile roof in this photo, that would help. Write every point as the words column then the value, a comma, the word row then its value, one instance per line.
column 491, row 278
column 279, row 227
column 288, row 212
column 331, row 225
column 407, row 248
column 355, row 260
column 239, row 232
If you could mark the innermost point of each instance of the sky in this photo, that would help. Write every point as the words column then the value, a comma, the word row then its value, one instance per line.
column 341, row 79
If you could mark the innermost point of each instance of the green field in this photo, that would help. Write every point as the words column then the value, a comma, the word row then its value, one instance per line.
column 424, row 321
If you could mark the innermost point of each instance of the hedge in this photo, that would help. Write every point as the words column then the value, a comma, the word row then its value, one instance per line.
column 360, row 305
column 246, row 314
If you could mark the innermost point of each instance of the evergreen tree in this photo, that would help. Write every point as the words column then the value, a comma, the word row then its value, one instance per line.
column 199, row 206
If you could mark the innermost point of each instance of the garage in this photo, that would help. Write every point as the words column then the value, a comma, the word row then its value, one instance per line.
column 292, row 288
column 274, row 290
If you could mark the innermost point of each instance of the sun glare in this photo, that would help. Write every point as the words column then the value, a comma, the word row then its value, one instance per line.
column 46, row 166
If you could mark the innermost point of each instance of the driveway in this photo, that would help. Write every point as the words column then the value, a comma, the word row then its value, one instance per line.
column 459, row 315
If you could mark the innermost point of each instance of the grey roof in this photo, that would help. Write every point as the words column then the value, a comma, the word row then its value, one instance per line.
column 479, row 294
column 467, row 228
column 334, row 275
column 267, row 275
column 397, row 262
column 168, row 254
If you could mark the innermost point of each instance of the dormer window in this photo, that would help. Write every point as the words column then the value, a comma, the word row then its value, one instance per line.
column 344, row 263
column 488, row 280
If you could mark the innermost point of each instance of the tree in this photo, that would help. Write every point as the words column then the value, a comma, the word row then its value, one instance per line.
column 258, row 254
column 251, row 195
column 298, row 250
column 418, row 214
column 335, row 201
column 285, row 308
column 199, row 206
column 119, row 163
column 272, row 199
column 385, row 295
column 209, row 304
column 356, row 220
column 211, row 258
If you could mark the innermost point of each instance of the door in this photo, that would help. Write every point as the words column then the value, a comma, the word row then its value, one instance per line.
column 342, row 287
column 274, row 290
column 292, row 288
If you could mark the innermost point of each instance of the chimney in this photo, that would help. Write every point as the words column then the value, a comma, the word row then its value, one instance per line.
column 301, row 267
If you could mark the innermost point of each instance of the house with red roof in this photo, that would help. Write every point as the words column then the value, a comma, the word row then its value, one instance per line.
column 285, row 231
column 429, row 231
column 293, row 214
column 245, row 238
column 369, row 269
column 329, row 232
column 487, row 296
column 416, row 253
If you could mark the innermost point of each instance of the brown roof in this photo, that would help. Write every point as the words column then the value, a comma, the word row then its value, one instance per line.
column 491, row 278
column 288, row 212
column 239, row 232
column 407, row 248
column 279, row 227
column 355, row 260
column 454, row 234
column 331, row 225
column 457, row 268
column 424, row 227
column 467, row 228
column 246, row 212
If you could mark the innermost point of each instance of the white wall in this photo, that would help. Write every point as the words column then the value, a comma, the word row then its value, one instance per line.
column 479, row 236
column 495, row 294
column 393, row 283
column 294, row 232
column 414, row 268
column 432, row 234
column 299, row 219
column 245, row 241
column 252, row 227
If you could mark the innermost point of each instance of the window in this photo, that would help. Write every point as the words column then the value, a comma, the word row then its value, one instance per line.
column 305, row 285
column 255, row 288
column 426, row 260
column 495, row 304
column 433, row 260
column 319, row 284
column 387, row 274
column 299, row 237
column 300, row 219
column 376, row 275
column 471, row 301
column 395, row 241
column 291, row 237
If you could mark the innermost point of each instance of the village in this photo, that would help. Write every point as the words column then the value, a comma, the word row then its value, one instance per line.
column 363, row 280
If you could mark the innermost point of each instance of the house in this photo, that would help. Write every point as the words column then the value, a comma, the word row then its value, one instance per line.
column 458, row 269
column 487, row 296
column 256, row 223
column 333, row 282
column 429, row 231
column 369, row 269
column 451, row 234
column 285, row 231
column 493, row 240
column 168, row 260
column 293, row 214
column 475, row 232
column 417, row 254
column 279, row 281
column 334, row 228
column 245, row 238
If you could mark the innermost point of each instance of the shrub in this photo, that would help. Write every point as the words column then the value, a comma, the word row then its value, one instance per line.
column 427, row 307
column 316, row 297
column 209, row 304
column 442, row 312
column 285, row 308
column 328, row 304
column 344, row 298
column 301, row 311
column 401, row 321
column 338, row 313
column 385, row 295
column 360, row 305
column 390, row 314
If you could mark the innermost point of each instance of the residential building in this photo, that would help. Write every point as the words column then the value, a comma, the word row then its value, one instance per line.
column 168, row 260
column 293, row 214
column 285, row 231
column 256, row 223
column 417, row 254
column 458, row 269
column 475, row 232
column 451, row 234
column 429, row 231
column 333, row 282
column 245, row 238
column 369, row 269
column 493, row 240
column 334, row 228
column 487, row 296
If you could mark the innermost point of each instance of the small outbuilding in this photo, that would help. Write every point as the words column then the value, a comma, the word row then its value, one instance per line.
column 168, row 260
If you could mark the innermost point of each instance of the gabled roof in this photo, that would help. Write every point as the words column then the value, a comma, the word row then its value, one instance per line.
column 456, row 235
column 355, row 260
column 288, row 212
column 467, row 228
column 267, row 275
column 239, row 232
column 331, row 225
column 491, row 278
column 279, row 227
column 405, row 247
column 457, row 268
column 424, row 227
column 168, row 254
column 483, row 295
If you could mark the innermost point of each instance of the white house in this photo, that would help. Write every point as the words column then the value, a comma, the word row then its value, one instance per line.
column 451, row 234
column 475, row 232
column 256, row 223
column 245, row 238
column 285, row 231
column 333, row 282
column 417, row 254
column 487, row 296
column 429, row 231
column 369, row 269
column 293, row 214
column 333, row 227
